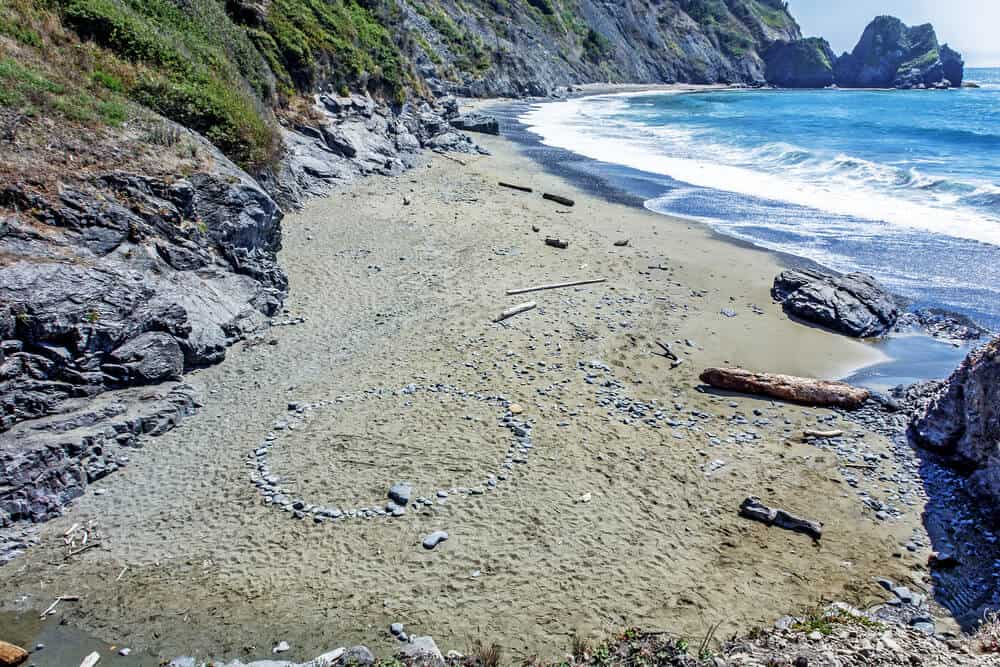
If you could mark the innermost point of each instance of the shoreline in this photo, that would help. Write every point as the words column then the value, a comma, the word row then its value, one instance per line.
column 395, row 293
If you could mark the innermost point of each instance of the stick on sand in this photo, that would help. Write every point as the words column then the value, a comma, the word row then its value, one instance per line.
column 539, row 288
column 511, row 312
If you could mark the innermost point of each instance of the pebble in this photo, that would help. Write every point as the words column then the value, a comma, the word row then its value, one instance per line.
column 281, row 647
column 396, row 628
column 434, row 539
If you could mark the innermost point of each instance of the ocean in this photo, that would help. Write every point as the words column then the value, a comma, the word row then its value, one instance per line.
column 904, row 185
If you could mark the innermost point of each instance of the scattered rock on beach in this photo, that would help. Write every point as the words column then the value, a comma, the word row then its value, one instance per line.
column 434, row 539
column 423, row 651
column 400, row 494
column 855, row 304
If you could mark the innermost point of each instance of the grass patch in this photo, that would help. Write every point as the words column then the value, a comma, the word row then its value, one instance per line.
column 826, row 621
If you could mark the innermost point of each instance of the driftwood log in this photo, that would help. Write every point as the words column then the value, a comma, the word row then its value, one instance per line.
column 752, row 508
column 556, row 243
column 558, row 199
column 787, row 387
column 515, row 187
column 10, row 655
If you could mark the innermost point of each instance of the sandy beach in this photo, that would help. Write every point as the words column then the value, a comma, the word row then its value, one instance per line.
column 611, row 522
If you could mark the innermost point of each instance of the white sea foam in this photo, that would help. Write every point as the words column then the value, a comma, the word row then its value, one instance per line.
column 846, row 185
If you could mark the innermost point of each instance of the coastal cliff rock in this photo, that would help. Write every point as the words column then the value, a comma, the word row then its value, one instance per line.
column 537, row 47
column 855, row 304
column 962, row 420
column 891, row 54
column 806, row 63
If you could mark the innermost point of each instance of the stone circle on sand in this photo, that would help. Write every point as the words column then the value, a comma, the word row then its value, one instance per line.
column 400, row 494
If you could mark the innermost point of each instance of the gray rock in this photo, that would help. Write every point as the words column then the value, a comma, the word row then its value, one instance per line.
column 396, row 628
column 423, row 651
column 434, row 539
column 401, row 493
column 477, row 122
column 151, row 357
column 961, row 421
column 360, row 656
column 854, row 304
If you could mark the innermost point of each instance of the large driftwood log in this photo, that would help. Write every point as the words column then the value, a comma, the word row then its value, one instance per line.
column 787, row 387
column 559, row 199
column 10, row 655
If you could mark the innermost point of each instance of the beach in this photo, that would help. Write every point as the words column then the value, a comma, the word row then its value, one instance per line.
column 611, row 522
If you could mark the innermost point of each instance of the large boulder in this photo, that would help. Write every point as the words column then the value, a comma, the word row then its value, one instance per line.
column 477, row 122
column 855, row 304
column 962, row 422
column 151, row 357
column 806, row 63
column 891, row 54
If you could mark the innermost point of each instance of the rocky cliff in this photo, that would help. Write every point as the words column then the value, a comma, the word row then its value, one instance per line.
column 532, row 47
column 806, row 63
column 962, row 421
column 889, row 54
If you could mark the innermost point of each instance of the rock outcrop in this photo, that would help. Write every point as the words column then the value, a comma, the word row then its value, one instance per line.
column 962, row 420
column 806, row 63
column 891, row 54
column 855, row 304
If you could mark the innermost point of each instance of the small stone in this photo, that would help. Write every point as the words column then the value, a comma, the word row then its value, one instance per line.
column 396, row 628
column 281, row 647
column 124, row 651
column 400, row 493
column 434, row 539
column 516, row 409
column 815, row 636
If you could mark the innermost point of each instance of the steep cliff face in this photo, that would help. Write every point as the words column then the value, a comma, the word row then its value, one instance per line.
column 891, row 54
column 531, row 47
column 807, row 63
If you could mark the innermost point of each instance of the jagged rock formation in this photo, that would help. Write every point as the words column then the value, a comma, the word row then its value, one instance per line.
column 855, row 304
column 806, row 63
column 962, row 420
column 891, row 54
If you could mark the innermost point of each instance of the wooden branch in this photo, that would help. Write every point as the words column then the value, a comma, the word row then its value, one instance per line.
column 515, row 187
column 558, row 199
column 539, row 288
column 667, row 351
column 82, row 549
column 10, row 655
column 822, row 434
column 61, row 598
column 556, row 243
column 516, row 310
column 787, row 387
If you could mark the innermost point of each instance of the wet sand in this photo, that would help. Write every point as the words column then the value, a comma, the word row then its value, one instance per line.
column 394, row 294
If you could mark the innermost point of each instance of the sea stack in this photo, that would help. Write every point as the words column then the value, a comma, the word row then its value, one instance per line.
column 891, row 54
